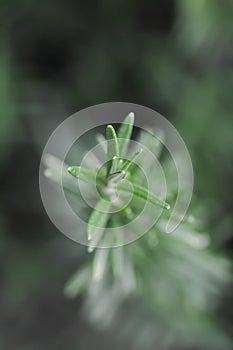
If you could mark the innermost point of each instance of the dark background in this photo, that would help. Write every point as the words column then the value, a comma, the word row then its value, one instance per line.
column 57, row 57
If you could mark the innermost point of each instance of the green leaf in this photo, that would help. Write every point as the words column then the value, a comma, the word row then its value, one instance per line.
column 77, row 283
column 56, row 172
column 112, row 147
column 100, row 263
column 125, row 132
column 143, row 193
column 85, row 175
column 127, row 164
column 128, row 213
column 118, row 261
column 98, row 219
column 115, row 177
column 115, row 164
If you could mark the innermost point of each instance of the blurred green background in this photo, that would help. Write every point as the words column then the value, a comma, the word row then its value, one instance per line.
column 57, row 57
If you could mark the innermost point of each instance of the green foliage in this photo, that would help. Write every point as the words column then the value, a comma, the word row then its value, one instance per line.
column 98, row 219
column 125, row 132
column 113, row 148
column 177, row 277
column 113, row 182
column 175, row 57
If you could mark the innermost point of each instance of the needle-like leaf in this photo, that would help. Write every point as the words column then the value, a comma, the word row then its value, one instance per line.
column 98, row 219
column 56, row 172
column 112, row 147
column 85, row 175
column 143, row 193
column 77, row 283
column 124, row 133
column 127, row 164
column 100, row 264
column 115, row 177
column 115, row 164
column 128, row 213
column 118, row 261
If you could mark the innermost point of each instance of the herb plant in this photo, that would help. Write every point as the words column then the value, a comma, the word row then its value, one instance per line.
column 110, row 182
column 171, row 281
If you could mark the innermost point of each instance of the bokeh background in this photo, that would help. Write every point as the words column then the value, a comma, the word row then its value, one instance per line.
column 57, row 57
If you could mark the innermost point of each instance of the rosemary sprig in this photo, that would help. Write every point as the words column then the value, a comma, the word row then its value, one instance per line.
column 113, row 147
column 125, row 132
column 114, row 179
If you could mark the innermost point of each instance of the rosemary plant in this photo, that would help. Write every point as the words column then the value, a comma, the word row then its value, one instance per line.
column 111, row 182
column 175, row 278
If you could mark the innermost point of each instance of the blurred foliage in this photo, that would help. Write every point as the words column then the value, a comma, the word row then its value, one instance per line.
column 177, row 277
column 57, row 57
